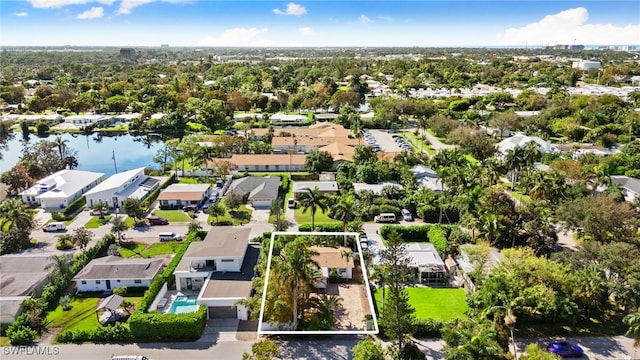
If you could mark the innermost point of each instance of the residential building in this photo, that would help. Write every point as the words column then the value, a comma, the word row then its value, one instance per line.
column 280, row 118
column 261, row 191
column 128, row 184
column 265, row 162
column 89, row 119
column 326, row 116
column 427, row 177
column 33, row 119
column 340, row 152
column 110, row 272
column 324, row 187
column 333, row 262
column 426, row 263
column 521, row 140
column 184, row 194
column 376, row 188
column 630, row 186
column 283, row 144
column 60, row 189
column 220, row 267
column 20, row 276
column 585, row 65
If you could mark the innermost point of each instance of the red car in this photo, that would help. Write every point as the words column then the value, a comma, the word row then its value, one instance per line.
column 157, row 220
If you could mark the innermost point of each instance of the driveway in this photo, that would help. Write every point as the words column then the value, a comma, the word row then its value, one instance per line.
column 385, row 140
column 436, row 144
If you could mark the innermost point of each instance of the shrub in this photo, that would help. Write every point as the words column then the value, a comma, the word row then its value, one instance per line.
column 122, row 291
column 438, row 238
column 385, row 208
column 158, row 327
column 222, row 223
column 74, row 206
column 321, row 227
column 407, row 233
column 427, row 328
column 64, row 302
column 115, row 333
column 154, row 194
column 22, row 335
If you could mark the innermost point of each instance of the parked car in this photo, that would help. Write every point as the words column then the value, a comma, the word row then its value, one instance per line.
column 54, row 226
column 291, row 203
column 157, row 220
column 169, row 236
column 188, row 208
column 406, row 215
column 565, row 349
column 385, row 217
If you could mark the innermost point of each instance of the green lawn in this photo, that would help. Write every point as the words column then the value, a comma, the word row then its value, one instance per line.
column 442, row 140
column 82, row 314
column 147, row 251
column 95, row 222
column 173, row 215
column 433, row 303
column 320, row 218
column 238, row 217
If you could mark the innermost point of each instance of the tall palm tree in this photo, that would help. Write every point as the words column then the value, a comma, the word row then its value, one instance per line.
column 205, row 153
column 356, row 128
column 61, row 144
column 59, row 264
column 633, row 321
column 297, row 268
column 514, row 160
column 344, row 211
column 312, row 199
column 530, row 153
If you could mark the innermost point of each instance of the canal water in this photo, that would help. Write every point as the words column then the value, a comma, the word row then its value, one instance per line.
column 95, row 151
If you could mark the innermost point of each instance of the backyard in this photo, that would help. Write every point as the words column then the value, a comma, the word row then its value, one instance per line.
column 433, row 303
column 320, row 218
column 147, row 251
column 82, row 315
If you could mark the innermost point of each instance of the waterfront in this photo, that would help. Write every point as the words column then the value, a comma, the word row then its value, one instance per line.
column 95, row 151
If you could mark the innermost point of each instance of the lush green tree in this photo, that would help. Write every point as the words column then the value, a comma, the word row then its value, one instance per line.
column 633, row 321
column 318, row 161
column 535, row 352
column 471, row 338
column 312, row 199
column 232, row 200
column 118, row 226
column 397, row 316
column 368, row 349
column 101, row 208
column 216, row 210
column 81, row 237
column 133, row 207
column 265, row 349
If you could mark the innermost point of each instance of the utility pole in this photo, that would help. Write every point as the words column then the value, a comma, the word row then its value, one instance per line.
column 113, row 157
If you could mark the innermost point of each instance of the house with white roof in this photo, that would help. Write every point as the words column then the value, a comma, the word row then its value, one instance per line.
column 280, row 118
column 89, row 119
column 60, row 189
column 128, row 184
column 32, row 119
column 521, row 140
column 427, row 177
column 426, row 263
column 376, row 188
column 324, row 187
column 630, row 186
column 220, row 268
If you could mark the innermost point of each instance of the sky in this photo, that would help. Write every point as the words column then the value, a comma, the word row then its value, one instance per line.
column 318, row 23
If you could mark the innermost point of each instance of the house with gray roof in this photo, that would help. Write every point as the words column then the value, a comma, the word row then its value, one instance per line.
column 427, row 177
column 261, row 191
column 110, row 272
column 521, row 140
column 60, row 189
column 376, row 188
column 630, row 186
column 20, row 276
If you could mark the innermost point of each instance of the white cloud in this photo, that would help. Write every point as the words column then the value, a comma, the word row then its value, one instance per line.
column 385, row 18
column 93, row 13
column 570, row 27
column 306, row 31
column 364, row 19
column 237, row 37
column 61, row 3
column 21, row 14
column 292, row 9
column 127, row 5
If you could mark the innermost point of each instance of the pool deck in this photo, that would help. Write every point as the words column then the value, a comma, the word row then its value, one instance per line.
column 172, row 295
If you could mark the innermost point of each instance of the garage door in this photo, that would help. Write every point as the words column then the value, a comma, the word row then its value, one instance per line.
column 222, row 312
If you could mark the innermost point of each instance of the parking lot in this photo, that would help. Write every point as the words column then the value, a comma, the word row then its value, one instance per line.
column 381, row 140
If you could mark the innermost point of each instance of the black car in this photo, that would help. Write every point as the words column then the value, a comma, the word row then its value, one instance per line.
column 189, row 208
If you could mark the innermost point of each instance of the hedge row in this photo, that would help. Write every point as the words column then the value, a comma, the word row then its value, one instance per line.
column 159, row 327
column 416, row 233
column 112, row 334
column 154, row 194
column 331, row 227
column 74, row 206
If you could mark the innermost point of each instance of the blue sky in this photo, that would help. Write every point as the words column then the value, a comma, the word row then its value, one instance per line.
column 317, row 23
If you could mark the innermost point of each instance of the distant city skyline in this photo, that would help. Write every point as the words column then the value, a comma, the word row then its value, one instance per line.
column 426, row 23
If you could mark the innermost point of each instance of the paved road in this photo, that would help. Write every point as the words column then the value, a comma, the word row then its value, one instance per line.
column 436, row 144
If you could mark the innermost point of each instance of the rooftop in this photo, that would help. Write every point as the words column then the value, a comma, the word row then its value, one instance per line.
column 20, row 274
column 62, row 183
column 115, row 267
column 329, row 257
column 188, row 192
column 258, row 187
column 222, row 241
column 324, row 186
column 264, row 159
column 116, row 180
column 234, row 285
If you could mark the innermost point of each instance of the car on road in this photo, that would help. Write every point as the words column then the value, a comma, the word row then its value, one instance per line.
column 188, row 208
column 169, row 236
column 406, row 215
column 291, row 203
column 157, row 220
column 385, row 217
column 565, row 349
column 54, row 226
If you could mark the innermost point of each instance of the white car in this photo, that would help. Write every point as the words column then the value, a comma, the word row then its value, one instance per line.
column 406, row 215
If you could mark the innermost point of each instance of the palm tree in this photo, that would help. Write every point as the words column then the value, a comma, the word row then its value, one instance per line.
column 514, row 161
column 327, row 305
column 15, row 214
column 312, row 199
column 344, row 211
column 205, row 153
column 297, row 268
column 61, row 144
column 356, row 128
column 101, row 207
column 633, row 321
column 530, row 153
column 59, row 264
column 489, row 228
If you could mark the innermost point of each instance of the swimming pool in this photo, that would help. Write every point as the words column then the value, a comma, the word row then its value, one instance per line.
column 184, row 304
